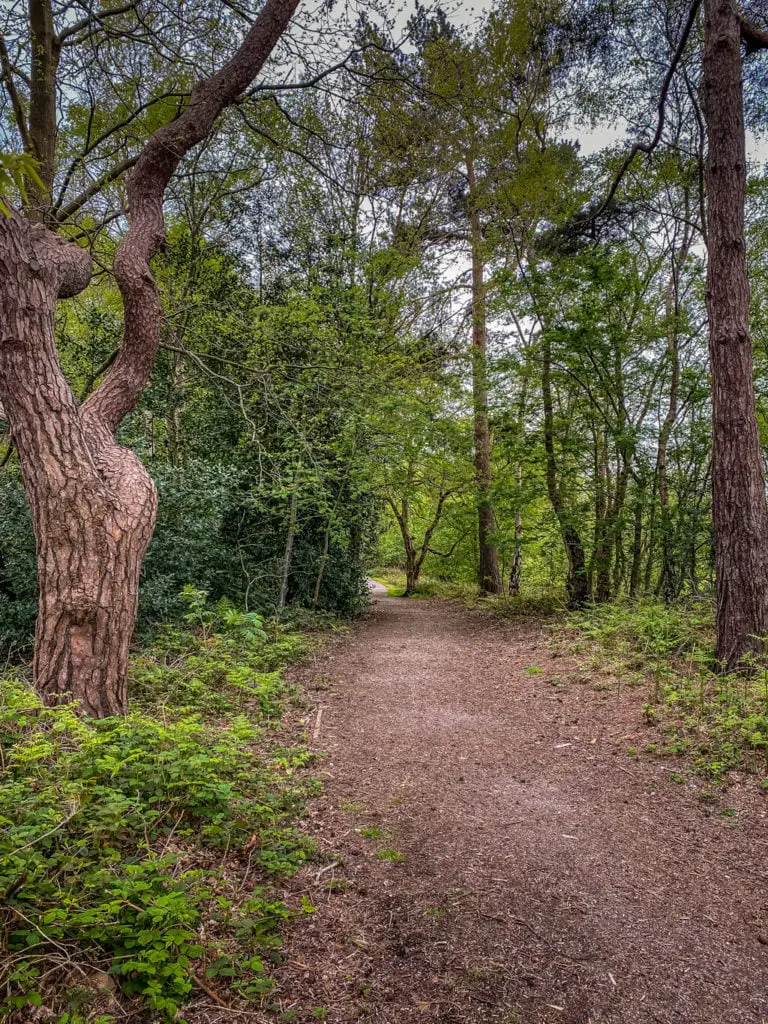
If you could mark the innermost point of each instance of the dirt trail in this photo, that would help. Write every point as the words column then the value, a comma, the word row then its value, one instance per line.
column 546, row 876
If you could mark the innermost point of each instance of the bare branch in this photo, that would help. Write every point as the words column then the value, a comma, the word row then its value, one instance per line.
column 754, row 37
column 309, row 83
column 94, row 188
column 10, row 85
column 97, row 18
column 103, row 138
column 649, row 147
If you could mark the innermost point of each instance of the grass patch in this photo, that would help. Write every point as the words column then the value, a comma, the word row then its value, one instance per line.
column 429, row 586
column 138, row 855
column 394, row 856
column 720, row 721
column 374, row 832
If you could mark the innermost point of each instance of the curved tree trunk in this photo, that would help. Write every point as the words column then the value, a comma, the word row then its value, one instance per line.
column 740, row 517
column 93, row 504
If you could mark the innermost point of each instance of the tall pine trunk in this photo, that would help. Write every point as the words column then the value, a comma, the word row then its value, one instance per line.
column 740, row 517
column 489, row 579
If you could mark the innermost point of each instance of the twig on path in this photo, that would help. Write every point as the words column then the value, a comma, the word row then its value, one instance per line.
column 209, row 991
column 318, row 720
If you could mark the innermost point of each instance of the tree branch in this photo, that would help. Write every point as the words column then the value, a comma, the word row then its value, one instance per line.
column 103, row 138
column 649, row 147
column 96, row 18
column 17, row 105
column 754, row 37
column 121, row 389
column 94, row 188
column 309, row 83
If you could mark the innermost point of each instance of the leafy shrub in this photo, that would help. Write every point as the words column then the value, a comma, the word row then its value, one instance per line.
column 115, row 834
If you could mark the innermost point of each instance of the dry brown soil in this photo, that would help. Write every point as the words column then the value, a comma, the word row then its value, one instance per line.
column 547, row 874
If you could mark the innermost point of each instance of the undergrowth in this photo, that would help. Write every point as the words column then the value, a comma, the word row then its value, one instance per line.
column 720, row 721
column 138, row 855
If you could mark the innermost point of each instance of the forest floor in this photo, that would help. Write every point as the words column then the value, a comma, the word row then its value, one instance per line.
column 503, row 856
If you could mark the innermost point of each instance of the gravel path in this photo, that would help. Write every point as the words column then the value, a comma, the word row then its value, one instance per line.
column 503, row 858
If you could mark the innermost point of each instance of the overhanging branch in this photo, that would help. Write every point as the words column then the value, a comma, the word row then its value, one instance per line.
column 649, row 147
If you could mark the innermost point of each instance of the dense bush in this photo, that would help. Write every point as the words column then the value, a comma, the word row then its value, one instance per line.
column 210, row 530
column 18, row 584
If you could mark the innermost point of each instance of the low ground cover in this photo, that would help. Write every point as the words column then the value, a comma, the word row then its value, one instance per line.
column 139, row 856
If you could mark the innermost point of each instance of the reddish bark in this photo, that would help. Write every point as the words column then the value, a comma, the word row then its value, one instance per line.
column 740, row 517
column 93, row 504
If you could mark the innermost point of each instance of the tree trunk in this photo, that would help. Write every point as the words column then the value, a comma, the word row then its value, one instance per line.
column 668, row 586
column 637, row 548
column 601, row 551
column 88, row 573
column 577, row 579
column 488, row 570
column 740, row 517
column 288, row 553
column 93, row 503
column 412, row 569
column 516, row 572
column 45, row 50
column 321, row 567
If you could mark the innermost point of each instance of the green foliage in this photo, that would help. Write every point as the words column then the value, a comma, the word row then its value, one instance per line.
column 18, row 584
column 721, row 721
column 16, row 170
column 390, row 855
column 116, row 833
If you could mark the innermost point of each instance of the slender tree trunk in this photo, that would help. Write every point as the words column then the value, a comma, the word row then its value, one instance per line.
column 516, row 572
column 668, row 586
column 637, row 548
column 321, row 568
column 44, row 61
column 617, row 522
column 601, row 552
column 651, row 544
column 577, row 580
column 488, row 572
column 740, row 517
column 288, row 553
